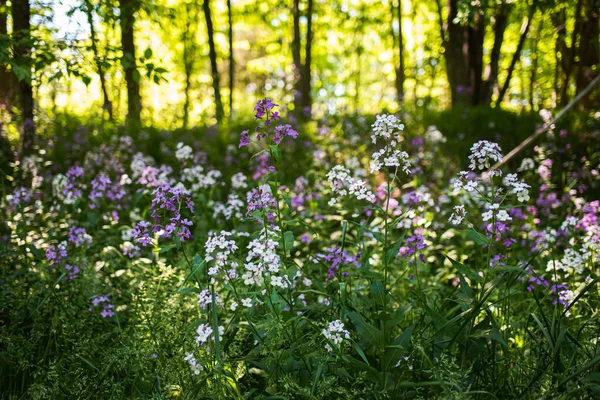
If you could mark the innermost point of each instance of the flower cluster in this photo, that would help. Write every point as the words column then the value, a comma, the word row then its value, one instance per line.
column 205, row 334
column 483, row 153
column 104, row 302
column 335, row 333
column 388, row 128
column 218, row 249
column 193, row 363
column 263, row 261
column 342, row 184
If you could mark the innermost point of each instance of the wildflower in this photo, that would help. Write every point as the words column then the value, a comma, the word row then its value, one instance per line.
column 262, row 259
column 247, row 302
column 484, row 152
column 386, row 127
column 263, row 109
column 193, row 363
column 335, row 333
column 205, row 299
column 458, row 215
column 205, row 333
column 219, row 248
column 526, row 165
column 183, row 152
column 282, row 131
column 244, row 139
column 104, row 302
column 79, row 237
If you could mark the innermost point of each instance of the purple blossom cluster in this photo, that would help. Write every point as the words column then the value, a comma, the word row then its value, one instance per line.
column 103, row 187
column 166, row 208
column 264, row 110
column 335, row 257
column 413, row 245
column 104, row 303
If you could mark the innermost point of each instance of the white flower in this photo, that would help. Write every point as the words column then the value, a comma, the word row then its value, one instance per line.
column 247, row 302
column 503, row 216
column 238, row 181
column 386, row 127
column 335, row 333
column 526, row 165
column 218, row 248
column 262, row 259
column 342, row 184
column 458, row 215
column 483, row 153
column 205, row 333
column 205, row 299
column 191, row 360
column 234, row 305
column 184, row 152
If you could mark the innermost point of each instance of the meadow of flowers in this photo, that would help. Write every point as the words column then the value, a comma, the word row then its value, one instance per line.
column 347, row 259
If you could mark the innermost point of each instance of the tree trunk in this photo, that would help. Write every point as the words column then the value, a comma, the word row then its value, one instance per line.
column 476, row 33
column 517, row 55
column 456, row 57
column 231, row 59
column 189, row 55
column 107, row 105
column 491, row 74
column 212, row 54
column 534, row 65
column 302, row 70
column 589, row 54
column 400, row 74
column 567, row 54
column 21, row 14
column 6, row 78
column 129, row 62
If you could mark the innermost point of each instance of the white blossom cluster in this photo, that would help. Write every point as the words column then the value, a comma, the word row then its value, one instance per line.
column 200, row 180
column 233, row 207
column 572, row 261
column 139, row 163
column 433, row 135
column 59, row 183
column 193, row 363
column 526, row 165
column 388, row 157
column 517, row 186
column 218, row 248
column 342, row 184
column 205, row 299
column 335, row 333
column 183, row 152
column 458, row 215
column 483, row 153
column 263, row 260
column 205, row 333
column 238, row 181
column 501, row 215
column 388, row 128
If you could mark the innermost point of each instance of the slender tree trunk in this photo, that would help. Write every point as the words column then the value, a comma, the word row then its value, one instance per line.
column 534, row 64
column 302, row 71
column 231, row 59
column 456, row 55
column 6, row 78
column 491, row 74
column 189, row 55
column 212, row 54
column 517, row 55
column 400, row 73
column 589, row 54
column 132, row 75
column 21, row 14
column 107, row 105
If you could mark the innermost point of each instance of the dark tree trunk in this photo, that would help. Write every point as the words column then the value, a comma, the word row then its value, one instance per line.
column 399, row 68
column 302, row 71
column 589, row 54
column 6, row 78
column 517, row 55
column 212, row 54
column 189, row 55
column 21, row 14
column 457, row 57
column 534, row 65
column 476, row 33
column 231, row 59
column 567, row 53
column 132, row 75
column 107, row 105
column 491, row 75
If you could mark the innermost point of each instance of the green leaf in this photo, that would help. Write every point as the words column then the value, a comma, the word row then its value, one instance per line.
column 148, row 53
column 288, row 240
column 366, row 331
column 478, row 237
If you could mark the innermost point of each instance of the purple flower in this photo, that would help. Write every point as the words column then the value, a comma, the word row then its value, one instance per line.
column 244, row 140
column 282, row 131
column 263, row 109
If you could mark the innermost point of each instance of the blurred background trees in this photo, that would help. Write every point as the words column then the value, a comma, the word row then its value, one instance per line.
column 177, row 63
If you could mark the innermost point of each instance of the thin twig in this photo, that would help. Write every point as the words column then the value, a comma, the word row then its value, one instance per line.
column 547, row 126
